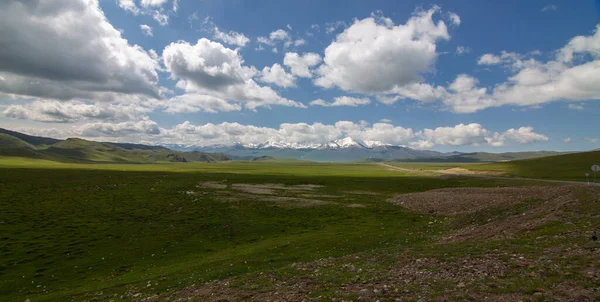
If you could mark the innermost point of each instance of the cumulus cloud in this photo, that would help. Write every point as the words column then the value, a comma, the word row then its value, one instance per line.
column 146, row 30
column 152, row 3
column 375, row 56
column 300, row 64
column 210, row 68
column 549, row 7
column 52, row 111
column 279, row 36
column 278, row 76
column 231, row 37
column 129, row 6
column 533, row 82
column 474, row 134
column 161, row 18
column 489, row 59
column 193, row 102
column 153, row 8
column 459, row 135
column 124, row 129
column 93, row 62
column 454, row 18
column 523, row 135
column 342, row 101
column 567, row 140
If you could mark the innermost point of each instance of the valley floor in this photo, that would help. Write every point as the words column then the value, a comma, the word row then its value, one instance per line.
column 274, row 231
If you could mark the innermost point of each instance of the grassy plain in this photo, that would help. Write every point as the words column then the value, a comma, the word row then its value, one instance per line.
column 127, row 231
column 565, row 167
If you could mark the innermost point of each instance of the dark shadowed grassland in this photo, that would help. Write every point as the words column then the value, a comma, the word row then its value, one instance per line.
column 101, row 231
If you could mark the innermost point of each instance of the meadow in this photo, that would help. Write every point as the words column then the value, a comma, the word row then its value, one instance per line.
column 129, row 231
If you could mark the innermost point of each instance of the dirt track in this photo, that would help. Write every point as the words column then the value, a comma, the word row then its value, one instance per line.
column 457, row 172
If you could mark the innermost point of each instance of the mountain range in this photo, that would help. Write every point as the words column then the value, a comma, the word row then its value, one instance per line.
column 349, row 149
column 14, row 143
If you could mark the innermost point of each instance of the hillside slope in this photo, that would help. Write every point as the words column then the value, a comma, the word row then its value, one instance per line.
column 571, row 166
column 81, row 151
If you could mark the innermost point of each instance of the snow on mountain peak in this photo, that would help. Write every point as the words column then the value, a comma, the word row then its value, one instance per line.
column 347, row 142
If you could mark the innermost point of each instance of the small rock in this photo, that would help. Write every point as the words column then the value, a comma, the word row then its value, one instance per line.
column 461, row 285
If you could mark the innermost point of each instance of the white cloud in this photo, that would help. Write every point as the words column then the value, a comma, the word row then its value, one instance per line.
column 523, row 135
column 489, row 59
column 280, row 35
column 474, row 134
column 300, row 64
column 212, row 69
column 534, row 83
column 385, row 120
column 549, row 7
column 175, row 5
column 459, row 135
column 342, row 101
column 299, row 42
column 374, row 56
column 330, row 27
column 94, row 62
column 161, row 18
column 581, row 45
column 52, row 111
column 232, row 37
column 575, row 107
column 192, row 102
column 124, row 129
column 152, row 3
column 129, row 6
column 567, row 140
column 151, row 8
column 146, row 30
column 207, row 64
column 278, row 76
column 454, row 18
column 461, row 50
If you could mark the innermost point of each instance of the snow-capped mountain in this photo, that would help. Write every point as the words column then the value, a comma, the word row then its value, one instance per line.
column 343, row 143
column 344, row 149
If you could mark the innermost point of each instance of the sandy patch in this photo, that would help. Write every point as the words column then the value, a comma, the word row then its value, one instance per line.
column 320, row 196
column 356, row 205
column 212, row 185
column 362, row 193
column 270, row 189
column 254, row 189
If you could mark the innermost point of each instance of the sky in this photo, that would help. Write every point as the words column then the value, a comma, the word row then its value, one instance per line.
column 459, row 75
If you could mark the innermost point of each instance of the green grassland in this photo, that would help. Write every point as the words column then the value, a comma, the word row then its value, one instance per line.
column 566, row 167
column 71, row 231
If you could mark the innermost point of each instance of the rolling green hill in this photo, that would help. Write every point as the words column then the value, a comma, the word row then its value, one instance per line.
column 78, row 150
column 11, row 142
column 571, row 166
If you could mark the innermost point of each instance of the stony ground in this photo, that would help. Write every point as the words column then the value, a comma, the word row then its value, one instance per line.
column 500, row 244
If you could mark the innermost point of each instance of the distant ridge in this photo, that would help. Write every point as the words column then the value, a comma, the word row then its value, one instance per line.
column 18, row 144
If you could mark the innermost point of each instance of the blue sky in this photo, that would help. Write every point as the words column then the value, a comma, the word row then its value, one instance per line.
column 458, row 75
